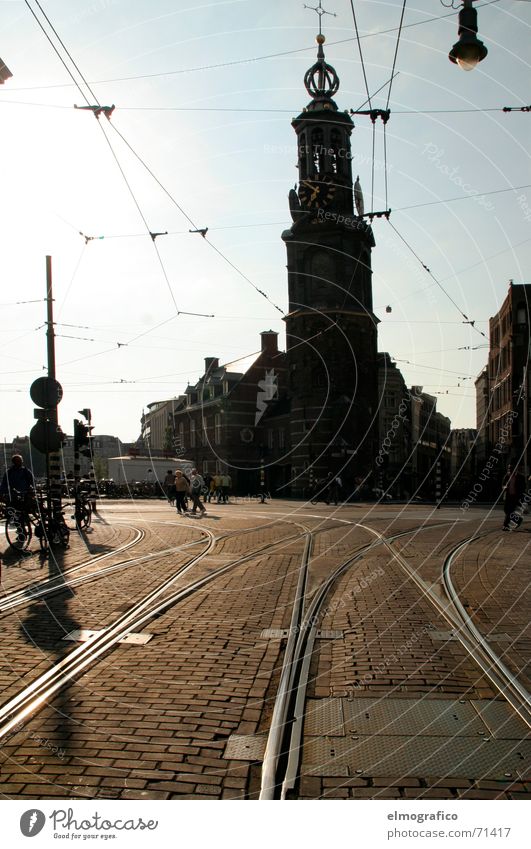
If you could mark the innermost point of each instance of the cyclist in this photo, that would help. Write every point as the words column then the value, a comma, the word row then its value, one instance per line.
column 17, row 478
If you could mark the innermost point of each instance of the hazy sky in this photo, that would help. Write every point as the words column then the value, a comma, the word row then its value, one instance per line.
column 200, row 99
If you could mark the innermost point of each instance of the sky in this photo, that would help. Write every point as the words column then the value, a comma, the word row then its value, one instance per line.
column 201, row 136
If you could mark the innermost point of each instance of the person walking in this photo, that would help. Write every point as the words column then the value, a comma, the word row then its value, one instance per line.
column 168, row 485
column 211, row 489
column 207, row 479
column 181, row 491
column 225, row 484
column 334, row 490
column 217, row 485
column 196, row 487
column 514, row 488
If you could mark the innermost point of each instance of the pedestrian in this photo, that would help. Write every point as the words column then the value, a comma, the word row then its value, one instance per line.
column 335, row 489
column 217, row 485
column 226, row 483
column 514, row 488
column 181, row 491
column 168, row 486
column 17, row 480
column 211, row 489
column 207, row 479
column 196, row 488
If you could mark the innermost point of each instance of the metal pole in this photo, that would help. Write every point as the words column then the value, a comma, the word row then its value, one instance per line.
column 50, row 333
column 53, row 463
column 92, row 474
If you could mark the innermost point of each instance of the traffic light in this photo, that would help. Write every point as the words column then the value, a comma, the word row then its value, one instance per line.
column 82, row 438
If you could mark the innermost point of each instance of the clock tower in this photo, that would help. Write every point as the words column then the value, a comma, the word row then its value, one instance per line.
column 330, row 326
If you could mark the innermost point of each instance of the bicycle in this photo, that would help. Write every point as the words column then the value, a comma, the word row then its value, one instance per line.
column 82, row 511
column 21, row 517
column 26, row 516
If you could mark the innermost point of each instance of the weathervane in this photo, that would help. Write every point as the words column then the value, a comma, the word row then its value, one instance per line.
column 320, row 11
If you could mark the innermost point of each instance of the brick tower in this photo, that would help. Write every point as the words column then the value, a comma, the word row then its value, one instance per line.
column 330, row 326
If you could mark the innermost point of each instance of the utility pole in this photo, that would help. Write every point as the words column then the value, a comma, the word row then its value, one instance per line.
column 53, row 460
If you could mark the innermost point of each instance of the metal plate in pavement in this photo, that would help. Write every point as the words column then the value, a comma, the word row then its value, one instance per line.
column 245, row 747
column 323, row 716
column 501, row 720
column 381, row 756
column 274, row 633
column 430, row 717
column 83, row 635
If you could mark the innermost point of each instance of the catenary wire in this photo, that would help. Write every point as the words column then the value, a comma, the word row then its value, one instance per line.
column 396, row 54
column 246, row 61
column 441, row 287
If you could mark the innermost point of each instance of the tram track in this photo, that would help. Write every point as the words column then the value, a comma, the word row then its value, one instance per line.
column 57, row 583
column 27, row 702
column 280, row 768
column 284, row 741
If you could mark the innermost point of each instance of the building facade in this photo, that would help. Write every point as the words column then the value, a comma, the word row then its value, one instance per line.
column 237, row 422
column 508, row 412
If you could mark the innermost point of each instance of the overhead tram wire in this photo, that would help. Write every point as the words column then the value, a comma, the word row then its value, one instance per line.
column 217, row 250
column 243, row 109
column 282, row 223
column 386, row 176
column 396, row 53
column 252, row 59
column 95, row 98
column 194, row 225
column 369, row 100
column 441, row 287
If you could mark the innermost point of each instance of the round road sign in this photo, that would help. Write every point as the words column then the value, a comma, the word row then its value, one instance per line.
column 46, row 392
column 46, row 436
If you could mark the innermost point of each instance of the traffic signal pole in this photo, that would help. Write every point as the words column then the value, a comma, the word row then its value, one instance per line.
column 53, row 459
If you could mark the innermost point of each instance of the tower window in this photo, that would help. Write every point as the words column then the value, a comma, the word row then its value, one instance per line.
column 335, row 146
column 318, row 150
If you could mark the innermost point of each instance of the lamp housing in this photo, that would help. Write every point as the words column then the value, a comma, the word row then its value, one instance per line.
column 469, row 50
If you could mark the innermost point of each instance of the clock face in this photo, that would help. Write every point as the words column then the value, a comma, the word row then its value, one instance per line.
column 317, row 193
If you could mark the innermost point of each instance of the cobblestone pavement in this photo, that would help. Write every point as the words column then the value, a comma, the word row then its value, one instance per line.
column 396, row 708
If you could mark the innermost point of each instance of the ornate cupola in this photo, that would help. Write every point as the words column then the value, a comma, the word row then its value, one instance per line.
column 323, row 142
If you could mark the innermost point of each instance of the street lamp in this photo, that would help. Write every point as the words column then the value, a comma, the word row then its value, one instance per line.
column 469, row 50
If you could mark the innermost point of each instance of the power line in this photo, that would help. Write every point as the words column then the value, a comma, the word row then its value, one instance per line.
column 396, row 53
column 441, row 287
column 252, row 59
column 275, row 110
column 194, row 225
column 464, row 197
column 361, row 54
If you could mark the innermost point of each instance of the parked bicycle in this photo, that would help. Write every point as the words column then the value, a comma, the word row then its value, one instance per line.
column 26, row 516
column 80, row 510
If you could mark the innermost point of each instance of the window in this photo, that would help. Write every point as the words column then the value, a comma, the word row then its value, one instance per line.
column 217, row 428
column 205, row 467
column 270, row 439
column 192, row 433
column 318, row 150
column 281, row 438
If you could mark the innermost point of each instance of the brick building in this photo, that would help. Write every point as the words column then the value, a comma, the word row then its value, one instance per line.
column 508, row 411
column 238, row 422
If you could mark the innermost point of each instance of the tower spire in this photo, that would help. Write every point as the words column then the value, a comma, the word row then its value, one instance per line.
column 320, row 12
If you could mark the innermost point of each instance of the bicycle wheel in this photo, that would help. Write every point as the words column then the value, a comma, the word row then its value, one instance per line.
column 18, row 530
column 86, row 515
column 62, row 534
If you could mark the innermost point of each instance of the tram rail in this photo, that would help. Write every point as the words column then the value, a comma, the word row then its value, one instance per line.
column 283, row 748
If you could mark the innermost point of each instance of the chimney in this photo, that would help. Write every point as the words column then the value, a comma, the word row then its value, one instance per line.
column 269, row 341
column 211, row 363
